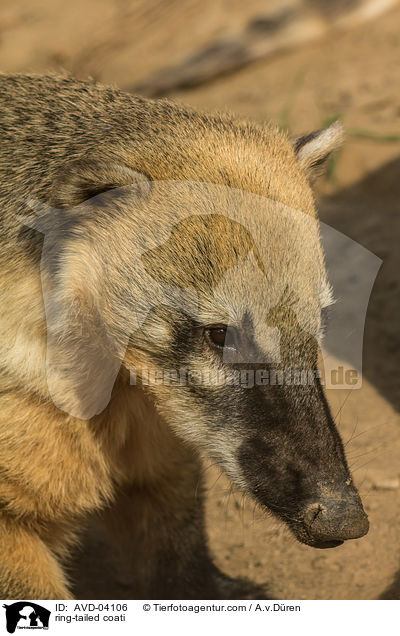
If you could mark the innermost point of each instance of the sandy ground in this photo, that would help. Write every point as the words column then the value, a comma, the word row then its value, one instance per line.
column 354, row 75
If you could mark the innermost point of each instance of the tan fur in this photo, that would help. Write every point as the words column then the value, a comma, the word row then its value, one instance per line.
column 142, row 450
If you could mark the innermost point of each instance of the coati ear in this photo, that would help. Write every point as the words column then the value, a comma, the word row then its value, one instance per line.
column 87, row 178
column 314, row 149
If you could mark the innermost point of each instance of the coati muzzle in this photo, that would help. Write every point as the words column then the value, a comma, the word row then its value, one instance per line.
column 295, row 466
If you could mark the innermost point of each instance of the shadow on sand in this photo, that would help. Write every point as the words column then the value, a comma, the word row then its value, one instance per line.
column 369, row 213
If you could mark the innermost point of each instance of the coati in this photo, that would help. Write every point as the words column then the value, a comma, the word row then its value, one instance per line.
column 139, row 237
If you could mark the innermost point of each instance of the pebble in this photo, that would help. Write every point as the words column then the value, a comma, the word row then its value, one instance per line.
column 387, row 484
column 380, row 480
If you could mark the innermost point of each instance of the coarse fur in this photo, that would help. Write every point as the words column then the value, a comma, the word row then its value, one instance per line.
column 223, row 212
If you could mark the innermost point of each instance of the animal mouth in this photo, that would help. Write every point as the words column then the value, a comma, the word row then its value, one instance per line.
column 319, row 543
column 328, row 544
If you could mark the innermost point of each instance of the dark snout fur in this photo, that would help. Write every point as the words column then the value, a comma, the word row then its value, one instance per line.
column 295, row 466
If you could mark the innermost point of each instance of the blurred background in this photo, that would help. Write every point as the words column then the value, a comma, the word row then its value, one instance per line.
column 300, row 64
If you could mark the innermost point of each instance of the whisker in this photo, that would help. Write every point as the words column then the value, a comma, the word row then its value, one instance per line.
column 352, row 435
column 362, row 465
column 344, row 402
column 367, row 430
column 368, row 452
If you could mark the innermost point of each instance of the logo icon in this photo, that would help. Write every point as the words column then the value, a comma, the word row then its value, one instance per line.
column 26, row 615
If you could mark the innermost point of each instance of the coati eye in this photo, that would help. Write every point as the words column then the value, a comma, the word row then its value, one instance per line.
column 221, row 336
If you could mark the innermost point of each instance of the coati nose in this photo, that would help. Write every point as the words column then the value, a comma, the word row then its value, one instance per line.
column 334, row 519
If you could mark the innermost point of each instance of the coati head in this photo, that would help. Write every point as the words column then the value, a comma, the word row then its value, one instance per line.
column 213, row 281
